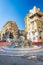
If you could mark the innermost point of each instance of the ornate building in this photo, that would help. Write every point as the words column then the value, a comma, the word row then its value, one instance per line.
column 0, row 35
column 9, row 27
column 34, row 24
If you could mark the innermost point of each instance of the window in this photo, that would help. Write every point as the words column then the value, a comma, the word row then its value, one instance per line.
column 32, row 23
column 29, row 27
column 33, row 38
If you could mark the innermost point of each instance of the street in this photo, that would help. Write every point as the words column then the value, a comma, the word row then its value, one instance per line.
column 24, row 56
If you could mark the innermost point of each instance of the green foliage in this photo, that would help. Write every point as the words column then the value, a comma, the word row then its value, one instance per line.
column 11, row 35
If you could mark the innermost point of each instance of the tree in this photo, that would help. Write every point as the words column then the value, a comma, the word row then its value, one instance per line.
column 11, row 35
column 18, row 33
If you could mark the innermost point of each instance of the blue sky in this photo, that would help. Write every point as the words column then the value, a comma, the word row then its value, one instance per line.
column 16, row 10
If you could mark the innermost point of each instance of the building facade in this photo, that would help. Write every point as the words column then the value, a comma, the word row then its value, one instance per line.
column 0, row 35
column 9, row 27
column 34, row 24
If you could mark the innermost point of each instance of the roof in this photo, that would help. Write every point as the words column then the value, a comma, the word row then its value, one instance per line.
column 9, row 22
column 34, row 11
